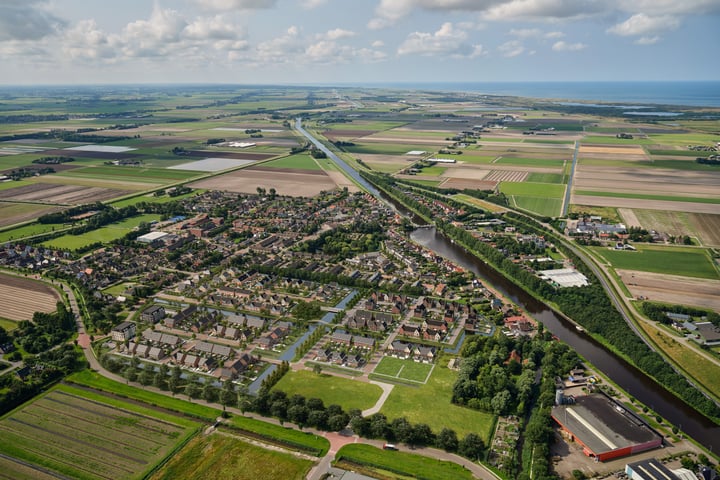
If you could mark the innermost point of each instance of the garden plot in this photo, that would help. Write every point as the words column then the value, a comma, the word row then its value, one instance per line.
column 211, row 164
column 67, row 432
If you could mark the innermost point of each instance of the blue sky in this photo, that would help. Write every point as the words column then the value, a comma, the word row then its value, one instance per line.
column 373, row 41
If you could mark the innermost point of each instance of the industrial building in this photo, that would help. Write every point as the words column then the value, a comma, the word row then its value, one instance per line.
column 653, row 470
column 151, row 237
column 604, row 428
column 564, row 277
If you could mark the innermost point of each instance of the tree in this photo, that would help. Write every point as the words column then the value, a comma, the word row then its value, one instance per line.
column 472, row 446
column 317, row 368
column 146, row 376
column 447, row 440
column 209, row 392
column 338, row 422
column 228, row 396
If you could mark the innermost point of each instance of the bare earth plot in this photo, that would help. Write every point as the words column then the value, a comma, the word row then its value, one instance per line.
column 463, row 183
column 697, row 292
column 21, row 298
column 624, row 150
column 630, row 219
column 466, row 172
column 644, row 204
column 507, row 176
column 286, row 181
column 59, row 194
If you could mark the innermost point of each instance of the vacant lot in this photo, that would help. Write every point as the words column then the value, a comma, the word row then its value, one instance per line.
column 220, row 456
column 78, row 434
column 21, row 298
column 299, row 183
column 688, row 262
column 330, row 389
column 698, row 292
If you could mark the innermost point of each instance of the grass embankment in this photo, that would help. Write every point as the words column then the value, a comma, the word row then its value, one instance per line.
column 332, row 390
column 276, row 434
column 389, row 464
column 220, row 456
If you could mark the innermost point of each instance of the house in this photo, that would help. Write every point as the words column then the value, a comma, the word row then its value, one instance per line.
column 156, row 353
column 364, row 342
column 323, row 355
column 707, row 333
column 401, row 349
column 265, row 343
column 435, row 325
column 410, row 330
column 354, row 361
column 424, row 353
column 153, row 314
column 433, row 334
column 337, row 357
column 341, row 337
column 124, row 331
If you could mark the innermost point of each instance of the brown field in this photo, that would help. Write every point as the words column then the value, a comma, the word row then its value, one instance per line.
column 629, row 218
column 651, row 181
column 332, row 134
column 59, row 194
column 342, row 181
column 699, row 292
column 405, row 141
column 233, row 155
column 644, row 204
column 466, row 171
column 286, row 181
column 12, row 213
column 704, row 226
column 21, row 297
column 624, row 150
column 507, row 176
column 462, row 183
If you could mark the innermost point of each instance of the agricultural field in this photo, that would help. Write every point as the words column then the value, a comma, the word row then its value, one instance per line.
column 305, row 183
column 29, row 231
column 12, row 213
column 86, row 436
column 219, row 456
column 414, row 403
column 682, row 261
column 396, row 368
column 674, row 289
column 546, row 207
column 390, row 464
column 21, row 298
column 703, row 226
column 330, row 389
column 301, row 161
column 59, row 194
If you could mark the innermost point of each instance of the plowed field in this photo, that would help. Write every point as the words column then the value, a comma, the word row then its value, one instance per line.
column 21, row 297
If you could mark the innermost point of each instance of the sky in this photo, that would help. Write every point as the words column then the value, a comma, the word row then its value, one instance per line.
column 356, row 41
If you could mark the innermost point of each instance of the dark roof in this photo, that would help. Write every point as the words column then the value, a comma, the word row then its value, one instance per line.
column 652, row 470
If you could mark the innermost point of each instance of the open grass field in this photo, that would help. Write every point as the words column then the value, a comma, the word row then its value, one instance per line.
column 287, row 437
column 689, row 262
column 153, row 199
column 489, row 206
column 531, row 162
column 219, row 456
column 12, row 213
column 403, row 369
column 530, row 189
column 414, row 403
column 385, row 148
column 79, row 434
column 300, row 161
column 391, row 464
column 103, row 235
column 8, row 325
column 612, row 140
column 535, row 177
column 21, row 298
column 28, row 231
column 547, row 207
column 136, row 174
column 432, row 171
column 330, row 389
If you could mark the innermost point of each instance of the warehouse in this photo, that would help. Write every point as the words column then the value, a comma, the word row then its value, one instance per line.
column 604, row 428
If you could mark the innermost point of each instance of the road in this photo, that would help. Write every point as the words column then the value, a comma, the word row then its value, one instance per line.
column 568, row 188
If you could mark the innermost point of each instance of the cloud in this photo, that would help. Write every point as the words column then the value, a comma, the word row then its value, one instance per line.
column 445, row 41
column 27, row 20
column 310, row 4
column 511, row 49
column 526, row 32
column 339, row 33
column 562, row 46
column 228, row 5
column 647, row 40
column 642, row 24
column 378, row 44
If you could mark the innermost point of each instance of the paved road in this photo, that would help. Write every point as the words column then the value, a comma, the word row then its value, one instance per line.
column 568, row 188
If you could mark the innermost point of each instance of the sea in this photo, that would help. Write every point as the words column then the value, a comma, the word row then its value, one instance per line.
column 685, row 93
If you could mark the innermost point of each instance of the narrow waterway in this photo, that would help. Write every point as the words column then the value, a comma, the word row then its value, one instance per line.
column 619, row 371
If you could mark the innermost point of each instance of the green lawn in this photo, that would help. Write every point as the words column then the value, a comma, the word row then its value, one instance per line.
column 644, row 196
column 689, row 262
column 434, row 171
column 547, row 207
column 414, row 403
column 408, row 465
column 330, row 389
column 532, row 162
column 8, row 325
column 300, row 161
column 531, row 189
column 403, row 369
column 220, row 457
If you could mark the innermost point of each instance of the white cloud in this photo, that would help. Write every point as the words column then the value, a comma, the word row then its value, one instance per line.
column 511, row 49
column 378, row 44
column 642, row 24
column 447, row 40
column 339, row 33
column 562, row 46
column 647, row 40
column 27, row 20
column 554, row 35
column 228, row 5
column 310, row 4
column 526, row 32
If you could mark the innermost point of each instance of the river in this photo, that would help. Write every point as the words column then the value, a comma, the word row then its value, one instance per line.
column 619, row 371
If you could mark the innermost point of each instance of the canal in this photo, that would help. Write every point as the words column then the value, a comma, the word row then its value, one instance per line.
column 629, row 378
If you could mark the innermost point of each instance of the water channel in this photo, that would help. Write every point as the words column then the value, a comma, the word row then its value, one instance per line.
column 619, row 371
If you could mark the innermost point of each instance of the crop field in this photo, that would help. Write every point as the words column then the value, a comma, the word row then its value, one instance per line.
column 210, row 164
column 390, row 464
column 528, row 189
column 303, row 183
column 330, row 389
column 649, row 196
column 221, row 456
column 674, row 289
column 12, row 213
column 77, row 434
column 612, row 140
column 683, row 261
column 535, row 177
column 136, row 174
column 59, row 194
column 547, row 207
column 14, row 470
column 21, row 297
column 704, row 226
column 300, row 161
column 386, row 148
column 432, row 171
column 531, row 162
column 506, row 176
column 404, row 369
column 414, row 403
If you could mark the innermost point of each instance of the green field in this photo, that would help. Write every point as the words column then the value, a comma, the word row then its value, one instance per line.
column 300, row 161
column 545, row 177
column 153, row 199
column 8, row 325
column 387, row 148
column 86, row 436
column 434, row 171
column 330, row 389
column 677, row 153
column 414, row 403
column 530, row 189
column 223, row 457
column 134, row 174
column 615, row 141
column 403, row 369
column 106, row 234
column 532, row 162
column 286, row 437
column 689, row 262
column 407, row 465
column 644, row 196
column 547, row 207
column 28, row 231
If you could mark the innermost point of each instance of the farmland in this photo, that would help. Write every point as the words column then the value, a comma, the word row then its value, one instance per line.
column 222, row 456
column 21, row 297
column 284, row 181
column 330, row 389
column 690, row 262
column 81, row 435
